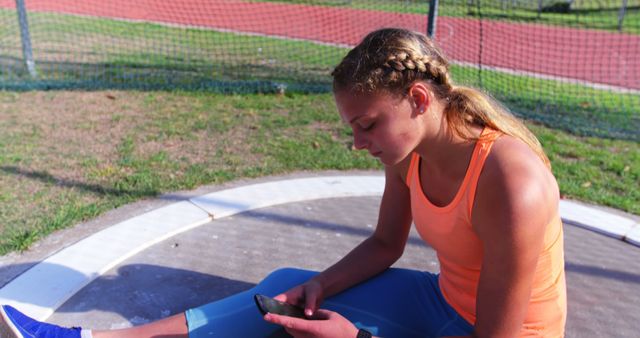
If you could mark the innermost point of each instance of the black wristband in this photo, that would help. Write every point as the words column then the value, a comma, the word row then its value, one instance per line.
column 362, row 333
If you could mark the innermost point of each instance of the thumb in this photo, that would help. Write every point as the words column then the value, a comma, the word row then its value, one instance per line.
column 323, row 314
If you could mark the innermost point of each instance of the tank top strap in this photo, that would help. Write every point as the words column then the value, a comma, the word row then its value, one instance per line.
column 483, row 148
column 412, row 164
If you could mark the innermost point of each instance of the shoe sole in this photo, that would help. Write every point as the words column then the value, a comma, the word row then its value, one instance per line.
column 7, row 329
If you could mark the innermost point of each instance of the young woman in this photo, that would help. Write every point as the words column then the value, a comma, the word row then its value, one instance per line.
column 472, row 178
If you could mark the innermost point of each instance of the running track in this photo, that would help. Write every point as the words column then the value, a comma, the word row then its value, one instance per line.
column 597, row 57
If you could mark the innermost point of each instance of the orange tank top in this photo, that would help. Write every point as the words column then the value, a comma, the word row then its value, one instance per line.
column 449, row 231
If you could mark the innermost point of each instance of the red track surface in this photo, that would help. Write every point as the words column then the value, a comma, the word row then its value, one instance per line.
column 589, row 55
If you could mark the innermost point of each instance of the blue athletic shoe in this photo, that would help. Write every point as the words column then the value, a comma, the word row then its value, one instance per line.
column 15, row 324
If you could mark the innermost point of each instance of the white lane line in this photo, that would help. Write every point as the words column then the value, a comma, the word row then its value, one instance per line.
column 42, row 289
column 596, row 220
column 633, row 236
column 232, row 201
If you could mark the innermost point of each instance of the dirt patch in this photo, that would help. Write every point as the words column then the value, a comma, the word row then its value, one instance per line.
column 70, row 135
column 67, row 128
column 59, row 149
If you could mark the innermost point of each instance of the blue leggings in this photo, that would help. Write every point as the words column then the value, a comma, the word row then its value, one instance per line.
column 396, row 303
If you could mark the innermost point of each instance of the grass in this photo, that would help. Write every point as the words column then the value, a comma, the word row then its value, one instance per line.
column 575, row 108
column 90, row 153
column 68, row 156
column 99, row 51
column 103, row 53
column 591, row 14
column 586, row 14
column 596, row 170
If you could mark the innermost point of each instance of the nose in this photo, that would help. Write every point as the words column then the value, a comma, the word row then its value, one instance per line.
column 359, row 141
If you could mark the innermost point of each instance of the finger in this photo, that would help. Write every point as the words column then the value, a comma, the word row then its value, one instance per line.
column 287, row 297
column 283, row 297
column 272, row 318
column 290, row 296
column 292, row 323
column 310, row 303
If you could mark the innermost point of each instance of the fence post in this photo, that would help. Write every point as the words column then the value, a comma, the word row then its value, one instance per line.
column 433, row 15
column 623, row 11
column 26, row 38
column 539, row 8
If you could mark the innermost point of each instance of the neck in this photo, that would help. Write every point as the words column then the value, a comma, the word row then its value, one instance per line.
column 446, row 152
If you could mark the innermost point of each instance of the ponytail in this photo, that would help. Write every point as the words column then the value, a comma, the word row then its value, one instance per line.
column 468, row 106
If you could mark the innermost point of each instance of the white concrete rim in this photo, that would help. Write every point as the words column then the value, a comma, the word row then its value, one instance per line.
column 39, row 291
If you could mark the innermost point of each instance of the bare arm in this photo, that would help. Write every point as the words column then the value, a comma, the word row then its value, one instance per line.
column 516, row 199
column 384, row 246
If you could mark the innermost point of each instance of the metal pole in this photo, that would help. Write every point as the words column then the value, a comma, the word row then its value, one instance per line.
column 539, row 8
column 433, row 15
column 26, row 39
column 623, row 11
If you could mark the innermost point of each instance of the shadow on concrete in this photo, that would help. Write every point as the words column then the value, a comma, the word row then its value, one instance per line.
column 35, row 296
column 137, row 294
column 136, row 291
column 141, row 292
column 602, row 272
column 329, row 226
column 10, row 271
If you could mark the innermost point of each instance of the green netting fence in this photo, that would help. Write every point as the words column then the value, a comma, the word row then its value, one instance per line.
column 569, row 64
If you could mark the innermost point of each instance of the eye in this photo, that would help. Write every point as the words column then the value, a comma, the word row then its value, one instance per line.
column 368, row 127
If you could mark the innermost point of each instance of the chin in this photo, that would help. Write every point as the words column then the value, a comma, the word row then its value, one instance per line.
column 393, row 159
column 389, row 161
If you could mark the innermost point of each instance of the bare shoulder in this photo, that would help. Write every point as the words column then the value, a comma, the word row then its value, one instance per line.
column 514, row 185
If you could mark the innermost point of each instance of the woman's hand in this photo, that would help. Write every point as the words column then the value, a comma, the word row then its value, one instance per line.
column 324, row 323
column 308, row 295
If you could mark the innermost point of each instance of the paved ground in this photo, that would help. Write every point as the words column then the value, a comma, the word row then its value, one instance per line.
column 230, row 254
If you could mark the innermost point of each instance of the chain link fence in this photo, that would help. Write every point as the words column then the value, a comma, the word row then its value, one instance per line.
column 572, row 65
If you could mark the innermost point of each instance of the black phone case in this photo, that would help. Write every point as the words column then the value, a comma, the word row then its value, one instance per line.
column 270, row 305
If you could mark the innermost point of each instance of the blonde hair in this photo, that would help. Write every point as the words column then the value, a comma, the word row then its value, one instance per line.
column 393, row 59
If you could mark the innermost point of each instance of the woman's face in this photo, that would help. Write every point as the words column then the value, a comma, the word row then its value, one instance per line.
column 382, row 123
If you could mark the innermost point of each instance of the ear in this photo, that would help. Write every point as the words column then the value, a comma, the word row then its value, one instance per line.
column 420, row 94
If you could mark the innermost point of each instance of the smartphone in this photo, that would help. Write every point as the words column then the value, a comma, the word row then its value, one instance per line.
column 270, row 305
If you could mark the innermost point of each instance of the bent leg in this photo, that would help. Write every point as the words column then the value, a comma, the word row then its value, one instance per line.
column 400, row 303
column 396, row 303
column 234, row 316
column 237, row 315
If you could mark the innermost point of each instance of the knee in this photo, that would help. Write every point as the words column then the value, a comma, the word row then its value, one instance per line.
column 282, row 279
column 288, row 276
column 285, row 273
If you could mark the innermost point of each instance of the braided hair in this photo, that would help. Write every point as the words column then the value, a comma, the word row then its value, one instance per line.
column 393, row 59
